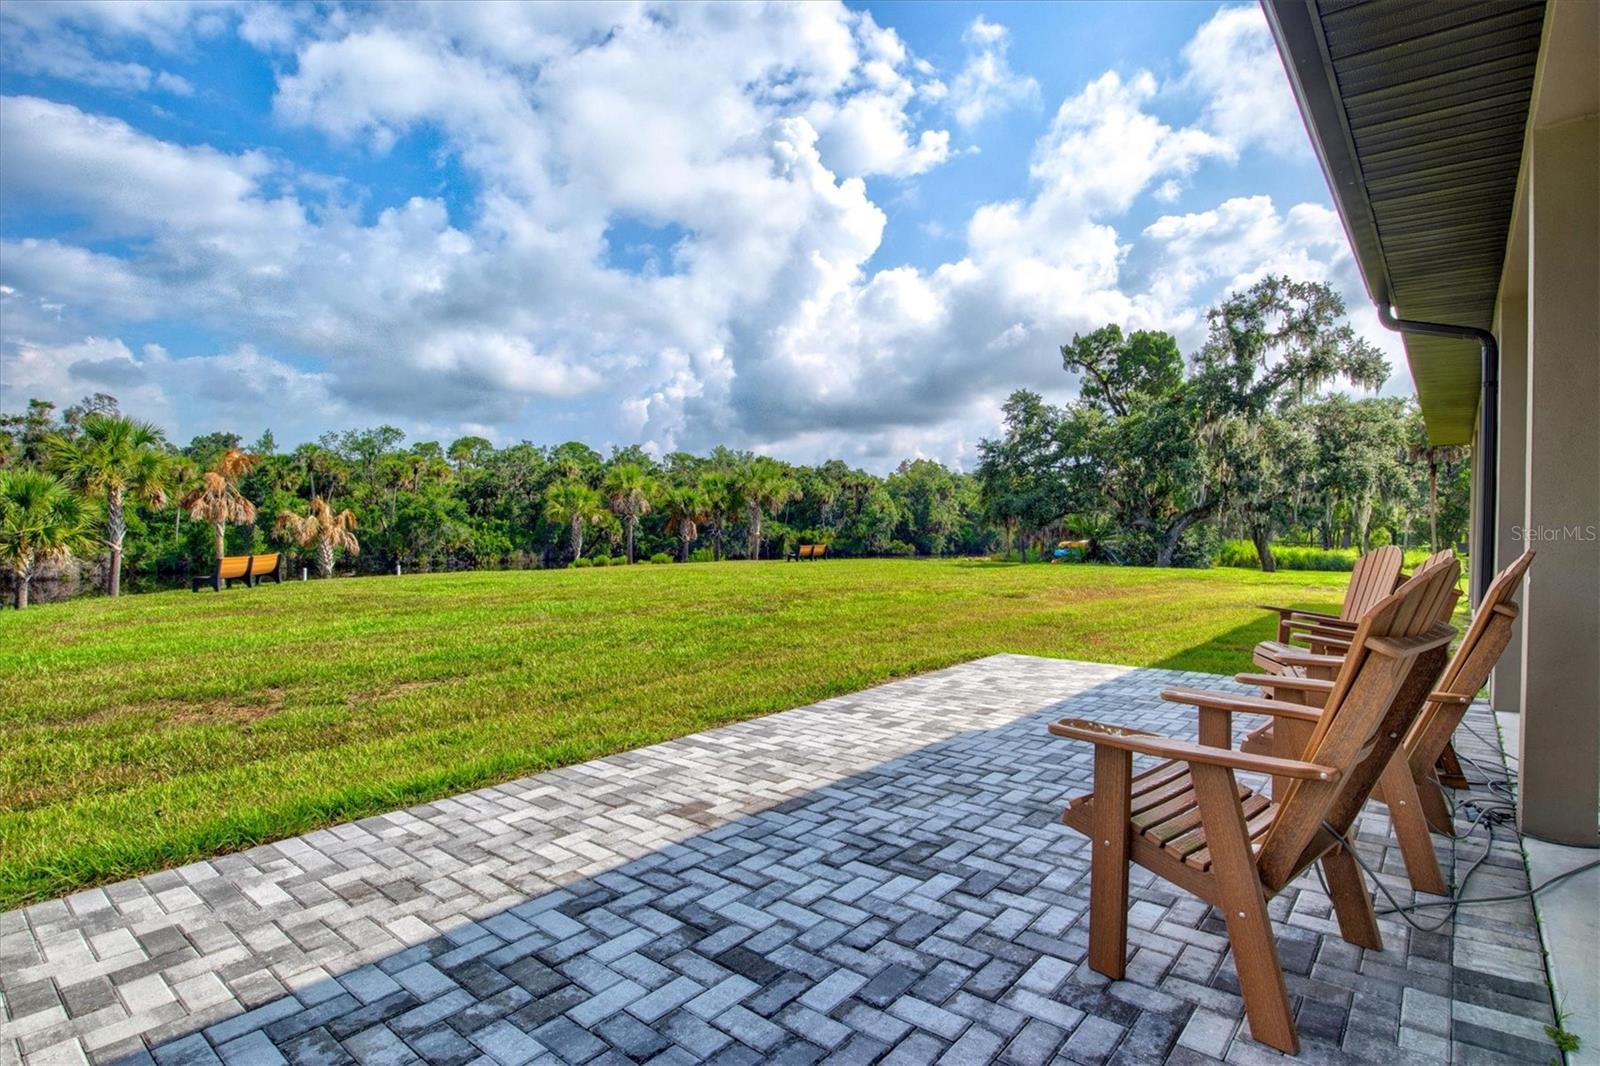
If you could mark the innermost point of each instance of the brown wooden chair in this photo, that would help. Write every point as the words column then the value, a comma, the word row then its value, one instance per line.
column 227, row 569
column 1326, row 645
column 1189, row 820
column 1374, row 576
column 1411, row 784
column 1327, row 642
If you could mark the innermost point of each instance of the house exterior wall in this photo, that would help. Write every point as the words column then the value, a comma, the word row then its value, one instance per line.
column 1559, row 780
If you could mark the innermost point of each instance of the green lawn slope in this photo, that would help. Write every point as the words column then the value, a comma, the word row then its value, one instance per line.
column 152, row 730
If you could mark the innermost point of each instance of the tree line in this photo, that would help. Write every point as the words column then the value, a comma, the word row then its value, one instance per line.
column 1154, row 462
column 93, row 483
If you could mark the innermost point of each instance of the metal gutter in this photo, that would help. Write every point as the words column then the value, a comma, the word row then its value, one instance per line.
column 1485, row 455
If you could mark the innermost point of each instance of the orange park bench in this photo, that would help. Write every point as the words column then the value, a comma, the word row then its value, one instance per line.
column 251, row 569
column 811, row 551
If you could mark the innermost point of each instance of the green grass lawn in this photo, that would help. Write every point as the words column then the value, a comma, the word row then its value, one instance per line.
column 151, row 730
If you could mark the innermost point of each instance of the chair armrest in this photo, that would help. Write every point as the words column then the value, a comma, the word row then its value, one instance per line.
column 1228, row 701
column 1331, row 625
column 1323, row 641
column 1305, row 684
column 1142, row 743
column 1295, row 612
column 1306, row 658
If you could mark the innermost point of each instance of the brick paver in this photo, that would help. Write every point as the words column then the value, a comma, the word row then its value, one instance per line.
column 878, row 877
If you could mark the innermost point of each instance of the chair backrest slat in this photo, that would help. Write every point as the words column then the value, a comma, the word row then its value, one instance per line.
column 1397, row 651
column 233, row 566
column 1468, row 670
column 1372, row 578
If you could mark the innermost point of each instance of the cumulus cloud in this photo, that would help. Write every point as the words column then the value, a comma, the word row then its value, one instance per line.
column 746, row 132
column 1232, row 64
column 79, row 41
column 987, row 85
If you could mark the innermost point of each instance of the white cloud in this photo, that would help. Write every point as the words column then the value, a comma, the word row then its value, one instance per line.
column 1232, row 64
column 987, row 85
column 743, row 130
column 78, row 41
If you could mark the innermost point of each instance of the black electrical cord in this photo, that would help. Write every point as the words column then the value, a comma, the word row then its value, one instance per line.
column 1490, row 811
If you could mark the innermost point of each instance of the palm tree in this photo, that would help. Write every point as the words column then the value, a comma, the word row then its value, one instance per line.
column 717, row 489
column 763, row 486
column 41, row 521
column 116, row 457
column 573, row 504
column 686, row 509
column 218, row 499
column 628, row 490
column 328, row 531
column 1435, row 455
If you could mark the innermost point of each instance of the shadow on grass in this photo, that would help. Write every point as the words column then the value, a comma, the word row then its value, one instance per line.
column 929, row 900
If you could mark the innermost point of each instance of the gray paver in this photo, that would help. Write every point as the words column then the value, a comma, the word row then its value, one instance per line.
column 877, row 877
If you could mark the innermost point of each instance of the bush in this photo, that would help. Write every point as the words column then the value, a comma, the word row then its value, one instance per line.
column 582, row 563
column 619, row 560
column 1242, row 553
column 1197, row 548
column 702, row 555
column 899, row 548
column 660, row 557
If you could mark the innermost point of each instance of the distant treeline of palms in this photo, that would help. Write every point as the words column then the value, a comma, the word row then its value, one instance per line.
column 368, row 501
column 1155, row 462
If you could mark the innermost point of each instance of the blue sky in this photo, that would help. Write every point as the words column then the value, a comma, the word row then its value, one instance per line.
column 810, row 229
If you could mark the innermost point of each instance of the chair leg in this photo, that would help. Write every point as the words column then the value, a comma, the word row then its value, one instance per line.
column 1244, row 907
column 1410, row 821
column 1351, row 903
column 1449, row 769
column 1108, row 866
column 1433, row 804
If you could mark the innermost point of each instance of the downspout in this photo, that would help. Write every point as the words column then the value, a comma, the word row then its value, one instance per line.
column 1487, row 451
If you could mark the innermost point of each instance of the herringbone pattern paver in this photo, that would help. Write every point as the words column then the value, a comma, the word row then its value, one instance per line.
column 879, row 877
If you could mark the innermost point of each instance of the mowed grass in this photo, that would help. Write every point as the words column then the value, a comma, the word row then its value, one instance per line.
column 153, row 730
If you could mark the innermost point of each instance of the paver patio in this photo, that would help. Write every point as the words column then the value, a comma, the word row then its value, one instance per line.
column 881, row 876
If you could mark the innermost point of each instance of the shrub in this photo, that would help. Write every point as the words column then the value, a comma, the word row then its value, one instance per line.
column 619, row 560
column 702, row 555
column 1242, row 553
column 660, row 557
column 582, row 563
column 899, row 548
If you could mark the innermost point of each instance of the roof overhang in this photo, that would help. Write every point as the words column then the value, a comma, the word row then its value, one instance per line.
column 1417, row 113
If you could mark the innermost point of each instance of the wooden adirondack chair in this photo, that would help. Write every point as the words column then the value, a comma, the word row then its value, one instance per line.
column 1189, row 820
column 1333, row 636
column 1411, row 784
column 1375, row 575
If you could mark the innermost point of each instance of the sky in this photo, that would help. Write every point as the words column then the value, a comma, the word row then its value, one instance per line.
column 812, row 230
